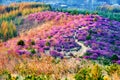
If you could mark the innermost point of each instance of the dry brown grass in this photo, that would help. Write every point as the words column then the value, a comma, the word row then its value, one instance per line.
column 25, row 65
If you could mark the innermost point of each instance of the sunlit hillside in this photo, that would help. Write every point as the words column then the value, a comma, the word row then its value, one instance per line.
column 60, row 41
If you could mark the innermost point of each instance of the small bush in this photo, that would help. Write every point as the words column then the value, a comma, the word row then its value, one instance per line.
column 41, row 77
column 114, row 57
column 90, row 73
column 113, row 68
column 32, row 42
column 83, row 74
column 47, row 43
column 104, row 61
column 33, row 51
column 88, row 37
column 21, row 42
column 95, row 19
column 18, row 21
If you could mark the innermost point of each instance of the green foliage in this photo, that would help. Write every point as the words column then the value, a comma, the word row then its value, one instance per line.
column 96, row 72
column 12, row 30
column 32, row 42
column 106, row 14
column 7, row 30
column 56, row 61
column 11, row 13
column 6, row 75
column 32, row 51
column 88, row 37
column 87, row 12
column 21, row 42
column 90, row 73
column 104, row 61
column 39, row 5
column 113, row 68
column 87, row 54
column 19, row 14
column 83, row 74
column 71, row 11
column 41, row 77
column 74, row 12
column 47, row 43
column 11, row 8
column 114, row 57
column 49, row 37
column 109, row 8
column 95, row 19
column 18, row 21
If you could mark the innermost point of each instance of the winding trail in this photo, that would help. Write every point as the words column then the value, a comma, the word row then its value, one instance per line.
column 83, row 49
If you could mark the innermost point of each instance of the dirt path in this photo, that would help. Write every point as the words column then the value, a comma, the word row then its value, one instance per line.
column 83, row 49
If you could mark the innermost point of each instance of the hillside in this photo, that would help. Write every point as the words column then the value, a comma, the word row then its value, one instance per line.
column 52, row 45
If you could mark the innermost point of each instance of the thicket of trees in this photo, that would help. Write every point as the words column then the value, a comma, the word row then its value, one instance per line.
column 7, row 30
column 10, row 13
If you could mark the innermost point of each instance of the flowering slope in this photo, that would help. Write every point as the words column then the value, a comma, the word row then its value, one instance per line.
column 63, row 35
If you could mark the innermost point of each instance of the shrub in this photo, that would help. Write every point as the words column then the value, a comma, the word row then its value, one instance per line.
column 4, row 28
column 32, row 42
column 96, row 72
column 113, row 68
column 41, row 77
column 114, row 57
column 6, row 75
column 12, row 30
column 18, row 21
column 21, row 42
column 88, row 37
column 87, row 54
column 104, row 61
column 83, row 74
column 95, row 19
column 93, row 72
column 32, row 51
column 47, row 43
